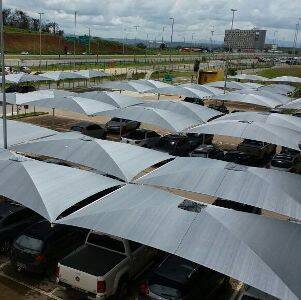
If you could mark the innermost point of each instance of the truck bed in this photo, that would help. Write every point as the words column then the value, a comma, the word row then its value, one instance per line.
column 87, row 259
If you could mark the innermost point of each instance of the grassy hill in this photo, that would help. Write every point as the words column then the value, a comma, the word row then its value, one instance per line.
column 18, row 40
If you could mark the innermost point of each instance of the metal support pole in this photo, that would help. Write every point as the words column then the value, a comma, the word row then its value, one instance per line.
column 3, row 79
column 74, row 45
column 171, row 37
column 40, row 38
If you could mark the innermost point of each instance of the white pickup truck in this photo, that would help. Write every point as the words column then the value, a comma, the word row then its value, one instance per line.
column 103, row 266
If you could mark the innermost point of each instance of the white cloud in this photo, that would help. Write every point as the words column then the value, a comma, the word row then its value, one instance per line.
column 108, row 18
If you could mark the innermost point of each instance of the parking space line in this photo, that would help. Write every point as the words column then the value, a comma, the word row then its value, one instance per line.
column 48, row 294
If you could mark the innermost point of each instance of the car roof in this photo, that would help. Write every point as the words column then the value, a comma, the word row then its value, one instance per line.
column 176, row 269
column 8, row 208
column 40, row 230
column 84, row 124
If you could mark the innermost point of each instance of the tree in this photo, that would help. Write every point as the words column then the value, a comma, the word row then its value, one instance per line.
column 6, row 13
column 162, row 46
column 141, row 46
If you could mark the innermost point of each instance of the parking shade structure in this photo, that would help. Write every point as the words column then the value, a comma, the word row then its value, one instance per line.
column 113, row 98
column 250, row 98
column 46, row 188
column 202, row 88
column 296, row 104
column 24, row 77
column 132, row 86
column 45, row 95
column 288, row 79
column 233, row 85
column 249, row 77
column 165, row 119
column 272, row 190
column 203, row 113
column 113, row 158
column 18, row 132
column 152, row 83
column 282, row 120
column 89, row 74
column 76, row 104
column 283, row 89
column 62, row 75
column 257, row 131
column 261, row 252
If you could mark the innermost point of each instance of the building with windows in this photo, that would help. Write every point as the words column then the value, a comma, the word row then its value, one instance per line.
column 245, row 40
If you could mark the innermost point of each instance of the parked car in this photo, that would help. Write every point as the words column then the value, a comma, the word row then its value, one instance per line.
column 177, row 278
column 90, row 129
column 207, row 151
column 39, row 248
column 117, row 125
column 257, row 149
column 194, row 100
column 103, row 266
column 15, row 88
column 237, row 206
column 13, row 219
column 222, row 108
column 180, row 145
column 140, row 137
column 285, row 160
column 241, row 158
column 24, row 53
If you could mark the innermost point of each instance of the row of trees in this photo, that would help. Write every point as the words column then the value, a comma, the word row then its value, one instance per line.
column 19, row 19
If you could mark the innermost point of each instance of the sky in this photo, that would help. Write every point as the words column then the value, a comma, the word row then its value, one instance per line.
column 194, row 19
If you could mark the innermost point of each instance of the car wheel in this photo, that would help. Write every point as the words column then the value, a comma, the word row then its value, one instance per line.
column 5, row 246
column 122, row 290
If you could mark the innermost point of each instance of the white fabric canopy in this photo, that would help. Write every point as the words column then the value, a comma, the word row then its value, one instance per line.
column 206, row 89
column 283, row 89
column 252, row 130
column 271, row 95
column 202, row 113
column 253, row 99
column 249, row 77
column 290, row 79
column 24, row 77
column 272, row 190
column 132, row 86
column 120, row 160
column 282, row 120
column 88, row 74
column 296, row 104
column 46, row 188
column 18, row 132
column 62, row 75
column 262, row 252
column 113, row 98
column 230, row 85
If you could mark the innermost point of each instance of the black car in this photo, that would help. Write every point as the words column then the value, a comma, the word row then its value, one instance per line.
column 90, row 129
column 221, row 108
column 285, row 160
column 241, row 158
column 237, row 206
column 14, row 88
column 13, row 220
column 194, row 100
column 117, row 125
column 174, row 144
column 140, row 137
column 178, row 279
column 41, row 246
column 207, row 151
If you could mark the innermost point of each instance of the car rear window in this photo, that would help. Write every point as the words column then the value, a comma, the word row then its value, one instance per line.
column 30, row 244
column 107, row 242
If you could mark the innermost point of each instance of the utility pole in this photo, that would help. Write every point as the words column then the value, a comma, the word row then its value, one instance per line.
column 227, row 60
column 163, row 28
column 296, row 36
column 89, row 40
column 74, row 44
column 40, row 13
column 171, row 36
column 124, row 39
column 3, row 79
column 136, row 27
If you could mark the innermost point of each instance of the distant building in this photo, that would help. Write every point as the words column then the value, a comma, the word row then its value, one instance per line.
column 245, row 40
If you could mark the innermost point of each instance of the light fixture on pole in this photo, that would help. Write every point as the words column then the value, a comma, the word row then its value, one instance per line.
column 40, row 13
column 171, row 36
column 229, row 42
column 3, row 79
column 74, row 44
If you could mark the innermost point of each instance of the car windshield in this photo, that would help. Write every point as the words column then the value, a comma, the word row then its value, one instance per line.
column 165, row 288
column 29, row 244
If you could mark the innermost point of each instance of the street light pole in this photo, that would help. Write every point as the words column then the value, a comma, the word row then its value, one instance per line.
column 171, row 36
column 163, row 28
column 227, row 60
column 296, row 36
column 89, row 40
column 40, row 13
column 3, row 79
column 74, row 44
column 136, row 27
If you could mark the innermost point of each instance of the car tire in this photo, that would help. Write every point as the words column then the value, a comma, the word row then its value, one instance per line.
column 122, row 290
column 5, row 246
